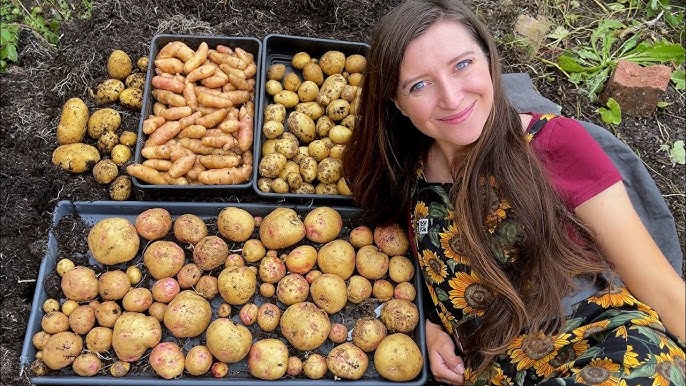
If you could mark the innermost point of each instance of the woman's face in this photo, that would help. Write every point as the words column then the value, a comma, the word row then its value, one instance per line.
column 445, row 86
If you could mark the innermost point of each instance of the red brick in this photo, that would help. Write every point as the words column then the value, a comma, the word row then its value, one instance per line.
column 637, row 89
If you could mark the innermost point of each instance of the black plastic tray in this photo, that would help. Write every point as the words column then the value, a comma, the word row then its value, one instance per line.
column 249, row 44
column 277, row 48
column 92, row 212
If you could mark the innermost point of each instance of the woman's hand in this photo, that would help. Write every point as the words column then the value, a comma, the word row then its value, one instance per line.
column 446, row 366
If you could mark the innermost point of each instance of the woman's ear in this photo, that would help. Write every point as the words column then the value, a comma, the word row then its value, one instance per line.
column 397, row 105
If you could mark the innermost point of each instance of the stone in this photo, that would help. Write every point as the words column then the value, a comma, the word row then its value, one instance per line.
column 637, row 89
column 533, row 29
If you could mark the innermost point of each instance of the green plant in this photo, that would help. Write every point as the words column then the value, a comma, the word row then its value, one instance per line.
column 679, row 79
column 676, row 152
column 611, row 115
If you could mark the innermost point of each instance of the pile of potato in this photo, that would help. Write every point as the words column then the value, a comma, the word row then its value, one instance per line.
column 201, row 127
column 269, row 291
column 78, row 128
column 309, row 123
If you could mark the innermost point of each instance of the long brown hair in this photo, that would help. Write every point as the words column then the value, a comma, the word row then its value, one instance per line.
column 380, row 168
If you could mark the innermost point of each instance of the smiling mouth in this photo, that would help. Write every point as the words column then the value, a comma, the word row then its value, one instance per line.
column 459, row 117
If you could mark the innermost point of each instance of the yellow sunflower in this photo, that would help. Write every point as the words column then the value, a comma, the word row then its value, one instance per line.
column 499, row 378
column 613, row 297
column 598, row 373
column 662, row 370
column 450, row 242
column 622, row 332
column 537, row 351
column 494, row 219
column 432, row 294
column 435, row 269
column 469, row 294
column 631, row 360
column 587, row 331
column 647, row 309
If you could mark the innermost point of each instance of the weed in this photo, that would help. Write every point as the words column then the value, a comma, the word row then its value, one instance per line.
column 676, row 152
column 612, row 115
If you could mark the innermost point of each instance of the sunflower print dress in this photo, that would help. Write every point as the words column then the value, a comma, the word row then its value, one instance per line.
column 610, row 338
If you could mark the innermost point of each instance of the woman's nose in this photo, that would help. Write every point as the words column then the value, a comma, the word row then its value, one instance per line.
column 450, row 95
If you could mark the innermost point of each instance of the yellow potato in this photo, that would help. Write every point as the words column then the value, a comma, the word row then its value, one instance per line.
column 72, row 125
column 113, row 240
column 273, row 86
column 313, row 72
column 302, row 126
column 102, row 120
column 120, row 154
column 119, row 65
column 281, row 228
column 235, row 224
column 287, row 98
column 108, row 91
column 332, row 62
column 300, row 59
column 337, row 257
column 398, row 358
column 312, row 109
column 131, row 98
column 338, row 109
column 291, row 82
column 120, row 189
column 105, row 171
column 355, row 63
column 75, row 157
column 136, row 80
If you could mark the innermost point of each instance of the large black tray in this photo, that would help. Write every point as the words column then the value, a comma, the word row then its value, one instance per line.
column 92, row 212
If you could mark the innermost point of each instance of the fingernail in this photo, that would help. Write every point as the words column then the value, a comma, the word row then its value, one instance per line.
column 460, row 368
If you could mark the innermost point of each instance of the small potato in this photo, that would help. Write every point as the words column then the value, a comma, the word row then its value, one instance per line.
column 120, row 188
column 268, row 359
column 248, row 313
column 279, row 185
column 108, row 91
column 295, row 366
column 275, row 112
column 107, row 141
column 153, row 223
column 273, row 86
column 134, row 273
column 323, row 126
column 332, row 62
column 314, row 367
column 338, row 109
column 167, row 360
column 276, row 71
column 188, row 276
column 400, row 269
column 355, row 63
column 392, row 240
column 80, row 284
column 340, row 134
column 308, row 169
column 133, row 334
column 63, row 266
column 120, row 154
column 368, row 333
column 61, row 349
column 405, row 290
column 198, row 360
column 272, row 129
column 398, row 358
column 136, row 80
column 50, row 305
column 268, row 316
column 54, row 322
column 331, row 89
column 272, row 164
column 75, row 157
column 87, row 365
column 399, row 315
column 361, row 236
column 163, row 258
column 271, row 269
column 308, row 91
column 131, row 98
column 313, row 73
column 210, row 253
column 267, row 289
column 339, row 333
column 113, row 285
column 237, row 285
column 337, row 152
column 120, row 369
column 40, row 339
column 119, row 65
column 292, row 289
column 219, row 369
column 137, row 300
column 287, row 98
column 286, row 146
column 382, row 289
column 128, row 138
column 69, row 306
column 291, row 82
column 235, row 260
column 317, row 149
column 165, row 290
column 359, row 289
column 105, row 171
column 301, row 259
column 207, row 286
column 300, row 59
column 142, row 63
column 99, row 339
column 347, row 361
column 329, row 170
column 107, row 312
column 157, row 310
column 103, row 120
column 189, row 228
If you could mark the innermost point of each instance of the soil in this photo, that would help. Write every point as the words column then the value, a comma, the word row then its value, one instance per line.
column 33, row 91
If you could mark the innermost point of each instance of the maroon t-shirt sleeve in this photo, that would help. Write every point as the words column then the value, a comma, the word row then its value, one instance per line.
column 577, row 165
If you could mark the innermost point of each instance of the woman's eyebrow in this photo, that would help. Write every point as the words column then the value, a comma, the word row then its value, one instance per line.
column 456, row 59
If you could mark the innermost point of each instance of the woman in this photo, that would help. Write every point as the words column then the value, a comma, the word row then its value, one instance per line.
column 507, row 213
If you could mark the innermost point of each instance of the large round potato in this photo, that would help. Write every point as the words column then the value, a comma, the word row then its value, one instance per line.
column 305, row 336
column 281, row 228
column 228, row 342
column 187, row 315
column 347, row 361
column 398, row 358
column 329, row 292
column 237, row 284
column 323, row 224
column 268, row 359
column 134, row 333
column 80, row 284
column 235, row 224
column 391, row 239
column 61, row 349
column 164, row 258
column 399, row 315
column 167, row 360
column 113, row 240
column 371, row 262
column 337, row 257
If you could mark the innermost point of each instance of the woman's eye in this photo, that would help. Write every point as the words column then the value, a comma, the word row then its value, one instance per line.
column 462, row 64
column 417, row 86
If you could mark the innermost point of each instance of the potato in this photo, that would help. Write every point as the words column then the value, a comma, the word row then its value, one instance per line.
column 107, row 313
column 308, row 169
column 108, row 91
column 329, row 292
column 113, row 240
column 359, row 289
column 314, row 366
column 61, row 349
column 189, row 228
column 268, row 316
column 272, row 164
column 80, row 284
column 167, row 360
column 187, row 315
column 322, row 188
column 355, row 63
column 136, row 80
column 300, row 59
column 275, row 112
column 355, row 79
column 339, row 333
column 267, row 289
column 219, row 369
column 331, row 89
column 75, row 157
column 272, row 129
column 119, row 64
column 398, row 358
column 253, row 251
column 198, row 360
column 209, row 253
column 133, row 334
column 105, row 171
column 237, row 285
column 405, row 290
column 40, row 339
column 131, row 98
column 157, row 310
column 399, row 315
column 69, row 306
column 248, row 313
column 329, row 170
column 295, row 366
column 120, row 369
column 391, row 239
column 368, row 333
column 323, row 126
column 271, row 269
column 87, row 365
column 72, row 125
column 50, row 305
column 188, row 276
column 382, row 289
column 400, row 269
column 338, row 109
column 120, row 154
column 313, row 73
column 323, row 224
column 291, row 82
column 103, row 120
column 302, row 126
column 308, row 91
column 332, row 62
column 287, row 98
column 276, row 71
column 370, row 262
column 64, row 265
column 54, row 322
column 235, row 224
column 228, row 342
column 164, row 290
column 305, row 336
column 82, row 319
column 107, row 141
column 301, row 259
column 273, row 86
column 128, row 138
column 292, row 289
column 142, row 63
column 137, row 300
column 339, row 134
column 268, row 359
column 337, row 152
column 361, row 236
column 288, row 147
column 163, row 258
column 347, row 361
column 337, row 257
column 207, row 286
column 99, row 339
column 281, row 228
column 120, row 188
column 317, row 149
column 153, row 223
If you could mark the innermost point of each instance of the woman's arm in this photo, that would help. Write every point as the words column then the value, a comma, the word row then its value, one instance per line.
column 446, row 366
column 637, row 259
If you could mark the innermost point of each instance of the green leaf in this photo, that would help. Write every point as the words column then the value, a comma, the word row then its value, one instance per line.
column 442, row 295
column 674, row 19
column 660, row 52
column 613, row 114
column 570, row 64
column 679, row 79
column 596, row 83
column 615, row 7
column 585, row 53
column 677, row 154
column 663, row 104
column 11, row 52
column 559, row 33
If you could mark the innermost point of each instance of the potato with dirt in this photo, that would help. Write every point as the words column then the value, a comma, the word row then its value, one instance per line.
column 236, row 224
column 398, row 358
column 75, row 157
column 80, row 284
column 391, row 239
column 371, row 263
column 359, row 289
column 82, row 319
column 133, row 334
column 323, row 224
column 189, row 228
column 399, row 315
column 314, row 367
column 153, row 223
column 163, row 258
column 73, row 121
column 347, row 361
column 400, row 269
column 99, row 339
column 301, row 259
column 137, row 299
column 237, row 285
column 105, row 171
column 102, row 120
column 305, row 336
column 187, row 315
column 210, row 252
column 281, row 228
column 167, row 360
column 368, row 333
column 228, row 342
column 328, row 292
column 292, row 289
column 268, row 359
column 198, row 360
column 271, row 269
column 61, row 349
column 113, row 240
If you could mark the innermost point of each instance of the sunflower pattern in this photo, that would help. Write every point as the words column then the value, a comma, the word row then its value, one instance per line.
column 611, row 338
